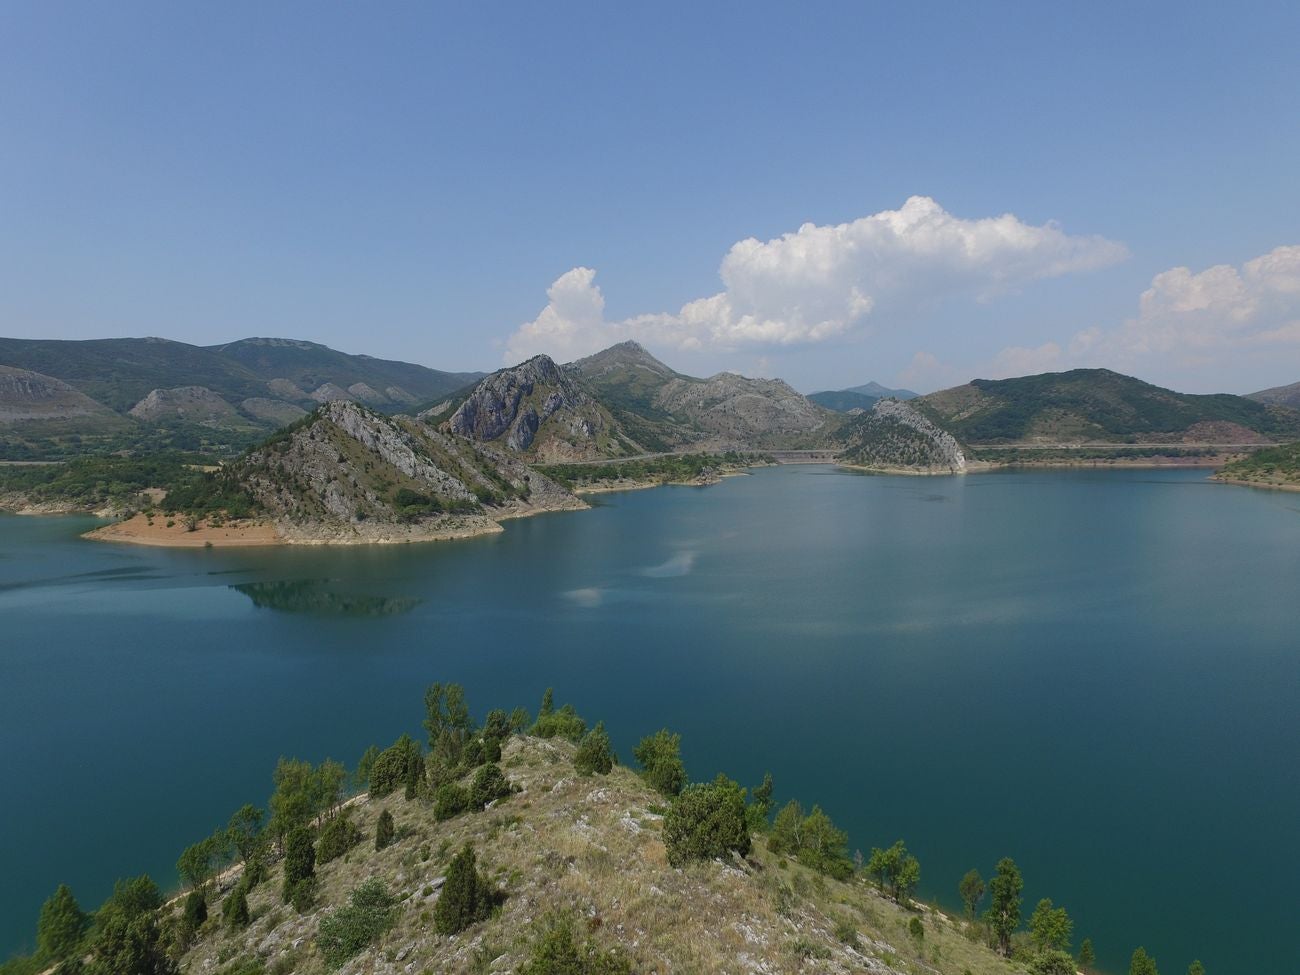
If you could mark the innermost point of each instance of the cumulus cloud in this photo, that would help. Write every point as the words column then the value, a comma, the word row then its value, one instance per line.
column 1195, row 317
column 822, row 282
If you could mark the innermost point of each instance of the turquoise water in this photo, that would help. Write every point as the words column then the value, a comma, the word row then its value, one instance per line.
column 1095, row 673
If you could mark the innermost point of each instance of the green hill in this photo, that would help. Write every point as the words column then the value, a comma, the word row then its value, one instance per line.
column 1270, row 467
column 843, row 400
column 1097, row 405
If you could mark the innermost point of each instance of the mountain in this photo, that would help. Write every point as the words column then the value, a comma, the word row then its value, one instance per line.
column 172, row 394
column 538, row 409
column 862, row 397
column 32, row 400
column 1100, row 406
column 665, row 410
column 894, row 435
column 881, row 392
column 842, row 401
column 1279, row 396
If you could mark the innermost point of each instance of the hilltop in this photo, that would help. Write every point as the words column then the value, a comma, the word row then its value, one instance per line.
column 894, row 436
column 1279, row 396
column 1085, row 406
column 862, row 397
column 525, row 847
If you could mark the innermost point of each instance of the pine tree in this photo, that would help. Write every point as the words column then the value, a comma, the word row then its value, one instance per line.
column 299, row 862
column 465, row 897
column 61, row 926
column 1142, row 963
column 595, row 754
column 1087, row 957
column 235, row 909
column 1004, row 906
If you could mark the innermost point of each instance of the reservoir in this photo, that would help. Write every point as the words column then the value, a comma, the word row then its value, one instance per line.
column 1096, row 673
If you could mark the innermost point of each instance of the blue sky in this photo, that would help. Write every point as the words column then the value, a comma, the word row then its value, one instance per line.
column 410, row 180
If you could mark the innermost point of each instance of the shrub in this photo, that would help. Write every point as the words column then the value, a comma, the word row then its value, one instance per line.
column 661, row 762
column 557, row 952
column 489, row 784
column 349, row 929
column 299, row 864
column 564, row 723
column 915, row 929
column 466, row 897
column 61, row 926
column 704, row 822
column 451, row 800
column 337, row 836
column 384, row 830
column 1053, row 962
column 234, row 910
column 595, row 754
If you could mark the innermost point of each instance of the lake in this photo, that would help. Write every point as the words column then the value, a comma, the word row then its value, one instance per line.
column 1093, row 672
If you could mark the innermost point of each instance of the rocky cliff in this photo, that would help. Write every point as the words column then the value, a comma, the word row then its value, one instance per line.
column 537, row 409
column 31, row 396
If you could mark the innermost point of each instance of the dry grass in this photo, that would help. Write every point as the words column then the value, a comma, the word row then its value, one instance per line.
column 591, row 847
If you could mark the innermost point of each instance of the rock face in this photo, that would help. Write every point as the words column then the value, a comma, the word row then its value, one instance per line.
column 328, row 393
column 895, row 436
column 538, row 409
column 193, row 404
column 27, row 395
column 352, row 474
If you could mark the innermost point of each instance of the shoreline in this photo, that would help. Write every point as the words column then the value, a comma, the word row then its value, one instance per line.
column 1262, row 485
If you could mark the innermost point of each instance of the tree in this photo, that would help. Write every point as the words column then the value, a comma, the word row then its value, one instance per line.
column 1087, row 957
column 384, row 830
column 130, row 943
column 329, row 780
column 488, row 785
column 1142, row 964
column 195, row 865
column 825, row 848
column 193, row 914
column 364, row 767
column 62, row 925
column 1052, row 963
column 244, row 833
column 705, row 821
column 234, row 910
column 519, row 720
column 595, row 755
column 1050, row 927
column 337, row 836
column 548, row 702
column 1004, row 902
column 1196, row 968
column 466, row 897
column 398, row 764
column 299, row 863
column 661, row 762
column 896, row 871
column 293, row 803
column 971, row 889
column 787, row 829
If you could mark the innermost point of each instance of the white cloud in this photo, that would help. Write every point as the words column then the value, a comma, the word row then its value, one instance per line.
column 1194, row 318
column 822, row 282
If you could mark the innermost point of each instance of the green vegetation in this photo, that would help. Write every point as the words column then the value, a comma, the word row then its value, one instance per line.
column 595, row 754
column 564, row 723
column 1087, row 957
column 467, row 896
column 313, row 839
column 120, row 482
column 1273, row 465
column 368, row 914
column 1093, row 404
column 706, row 821
column 668, row 469
column 660, row 757
column 1142, row 963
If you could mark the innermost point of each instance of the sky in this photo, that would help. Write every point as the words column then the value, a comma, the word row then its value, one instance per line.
column 918, row 194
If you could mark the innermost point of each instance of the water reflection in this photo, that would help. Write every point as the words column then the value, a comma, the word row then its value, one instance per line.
column 314, row 596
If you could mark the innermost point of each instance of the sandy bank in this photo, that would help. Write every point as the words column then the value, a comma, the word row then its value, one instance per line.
column 1267, row 485
column 173, row 533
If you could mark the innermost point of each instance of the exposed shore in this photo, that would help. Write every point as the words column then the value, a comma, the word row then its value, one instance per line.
column 1266, row 485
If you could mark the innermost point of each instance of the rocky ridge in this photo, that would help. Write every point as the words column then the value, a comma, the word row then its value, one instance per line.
column 895, row 436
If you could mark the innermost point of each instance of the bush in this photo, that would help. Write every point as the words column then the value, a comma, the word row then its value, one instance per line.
column 661, row 762
column 915, row 929
column 234, row 909
column 451, row 800
column 1053, row 963
column 557, row 952
column 564, row 723
column 385, row 831
column 349, row 929
column 595, row 754
column 704, row 822
column 337, row 836
column 466, row 897
column 299, row 865
column 489, row 785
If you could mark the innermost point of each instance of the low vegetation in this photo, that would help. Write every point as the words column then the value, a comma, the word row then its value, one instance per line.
column 667, row 469
column 547, row 868
column 1271, row 466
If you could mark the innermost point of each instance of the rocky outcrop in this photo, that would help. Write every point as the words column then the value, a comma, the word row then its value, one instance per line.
column 539, row 409
column 739, row 412
column 192, row 404
column 27, row 395
column 896, row 436
column 329, row 392
column 354, row 475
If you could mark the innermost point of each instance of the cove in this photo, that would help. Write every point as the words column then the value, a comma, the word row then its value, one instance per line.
column 1092, row 672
